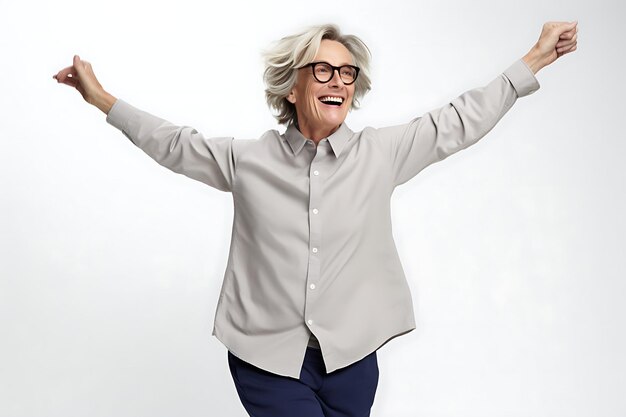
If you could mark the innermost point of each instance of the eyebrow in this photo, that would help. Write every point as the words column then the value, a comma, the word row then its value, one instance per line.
column 340, row 65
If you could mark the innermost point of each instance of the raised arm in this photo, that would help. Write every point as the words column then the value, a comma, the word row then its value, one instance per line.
column 181, row 149
column 444, row 131
column 467, row 118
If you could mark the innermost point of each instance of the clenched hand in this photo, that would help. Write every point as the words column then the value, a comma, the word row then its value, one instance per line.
column 81, row 76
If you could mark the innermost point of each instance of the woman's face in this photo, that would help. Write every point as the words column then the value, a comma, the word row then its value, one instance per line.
column 314, row 115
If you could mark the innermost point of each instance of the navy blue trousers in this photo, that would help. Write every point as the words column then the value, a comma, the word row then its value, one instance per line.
column 346, row 392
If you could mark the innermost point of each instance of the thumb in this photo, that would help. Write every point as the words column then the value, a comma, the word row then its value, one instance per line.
column 565, row 27
column 571, row 25
column 77, row 64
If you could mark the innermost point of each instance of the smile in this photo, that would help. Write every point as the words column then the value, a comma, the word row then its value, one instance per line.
column 331, row 101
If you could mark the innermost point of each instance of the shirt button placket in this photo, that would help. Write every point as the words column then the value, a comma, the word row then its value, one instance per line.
column 315, row 195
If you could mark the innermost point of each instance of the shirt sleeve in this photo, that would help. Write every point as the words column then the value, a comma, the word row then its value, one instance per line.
column 181, row 149
column 462, row 122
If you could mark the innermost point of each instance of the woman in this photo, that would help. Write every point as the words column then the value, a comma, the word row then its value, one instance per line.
column 314, row 285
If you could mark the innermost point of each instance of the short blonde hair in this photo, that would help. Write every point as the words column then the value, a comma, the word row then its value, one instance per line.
column 295, row 51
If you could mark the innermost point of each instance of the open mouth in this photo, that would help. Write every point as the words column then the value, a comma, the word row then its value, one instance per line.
column 331, row 101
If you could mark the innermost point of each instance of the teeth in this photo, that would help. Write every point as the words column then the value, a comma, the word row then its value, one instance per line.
column 335, row 99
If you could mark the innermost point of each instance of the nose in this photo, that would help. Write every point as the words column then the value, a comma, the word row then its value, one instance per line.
column 336, row 80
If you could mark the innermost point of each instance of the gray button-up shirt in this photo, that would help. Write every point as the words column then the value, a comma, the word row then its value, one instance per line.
column 312, row 250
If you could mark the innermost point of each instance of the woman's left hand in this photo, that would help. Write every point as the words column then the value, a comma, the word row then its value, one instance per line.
column 556, row 40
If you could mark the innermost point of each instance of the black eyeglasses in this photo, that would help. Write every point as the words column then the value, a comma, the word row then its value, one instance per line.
column 324, row 72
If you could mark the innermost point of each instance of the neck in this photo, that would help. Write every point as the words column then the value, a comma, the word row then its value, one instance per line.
column 316, row 134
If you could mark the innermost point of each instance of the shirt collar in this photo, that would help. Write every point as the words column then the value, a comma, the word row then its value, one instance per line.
column 337, row 140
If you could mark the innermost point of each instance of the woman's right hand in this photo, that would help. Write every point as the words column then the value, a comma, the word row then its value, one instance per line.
column 81, row 76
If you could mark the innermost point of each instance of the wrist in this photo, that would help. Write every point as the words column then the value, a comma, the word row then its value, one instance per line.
column 533, row 60
column 104, row 101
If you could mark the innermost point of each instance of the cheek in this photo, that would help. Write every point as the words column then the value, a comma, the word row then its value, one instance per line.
column 312, row 101
column 351, row 97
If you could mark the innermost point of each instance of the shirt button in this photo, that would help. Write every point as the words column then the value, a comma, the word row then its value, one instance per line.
column 316, row 172
column 310, row 322
column 315, row 211
column 314, row 250
column 312, row 286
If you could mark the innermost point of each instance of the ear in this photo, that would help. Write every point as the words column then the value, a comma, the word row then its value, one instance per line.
column 291, row 97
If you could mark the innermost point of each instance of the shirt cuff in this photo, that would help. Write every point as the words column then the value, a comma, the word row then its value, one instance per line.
column 119, row 114
column 522, row 78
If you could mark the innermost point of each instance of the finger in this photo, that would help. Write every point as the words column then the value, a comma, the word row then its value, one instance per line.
column 567, row 27
column 570, row 49
column 566, row 50
column 67, row 75
column 566, row 42
column 80, row 65
column 64, row 74
column 568, row 35
column 69, row 79
column 71, row 82
column 60, row 71
column 566, row 46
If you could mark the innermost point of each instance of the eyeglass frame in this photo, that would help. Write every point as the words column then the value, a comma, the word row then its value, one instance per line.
column 334, row 68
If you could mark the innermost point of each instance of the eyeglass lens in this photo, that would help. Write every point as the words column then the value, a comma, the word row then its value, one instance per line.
column 324, row 72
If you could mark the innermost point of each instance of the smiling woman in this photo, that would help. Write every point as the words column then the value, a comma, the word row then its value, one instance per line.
column 321, row 107
column 295, row 83
column 314, row 285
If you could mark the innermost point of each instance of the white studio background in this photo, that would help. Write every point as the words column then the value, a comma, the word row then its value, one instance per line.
column 111, row 265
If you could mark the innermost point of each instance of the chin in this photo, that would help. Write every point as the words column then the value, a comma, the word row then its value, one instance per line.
column 334, row 121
